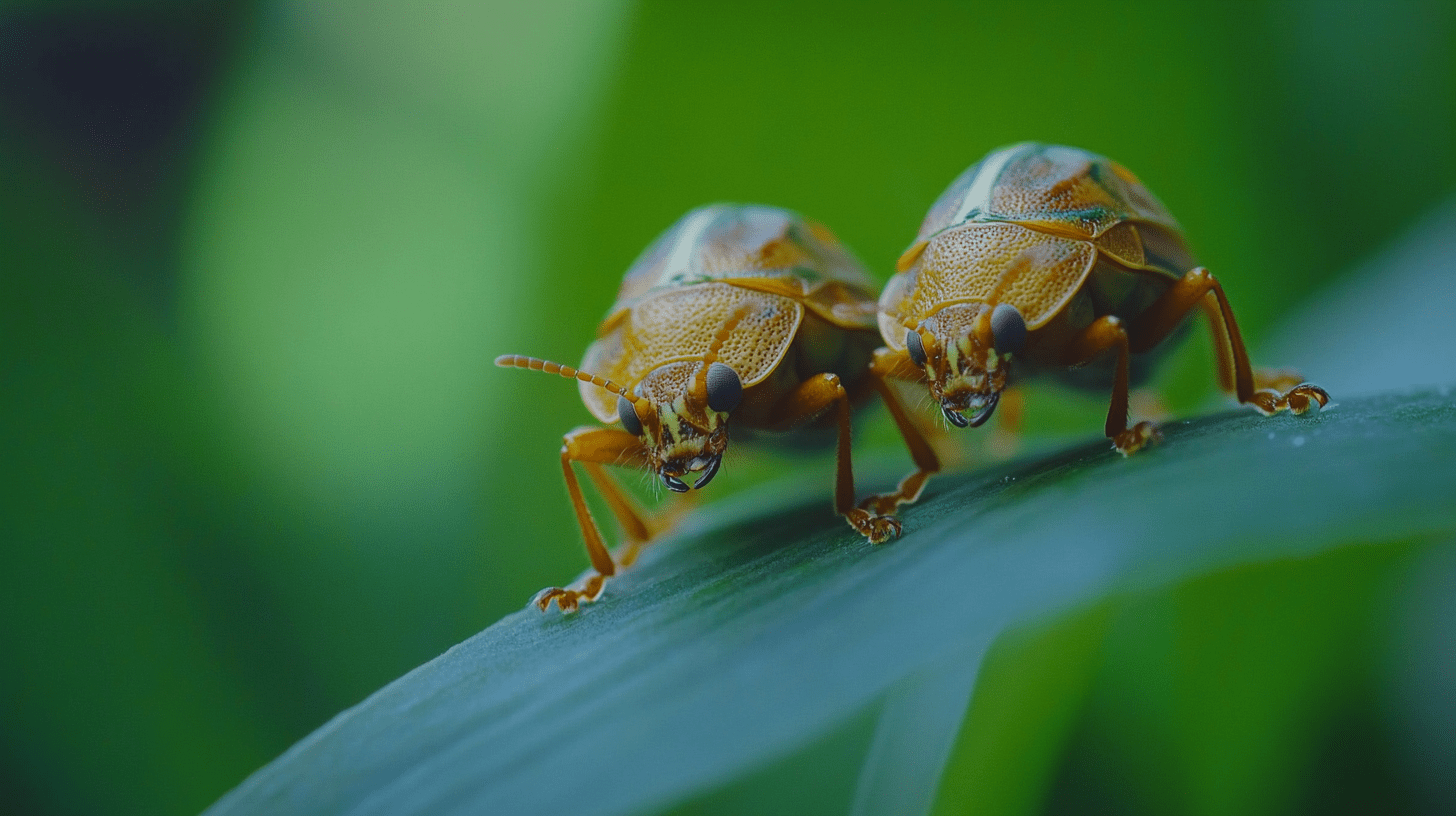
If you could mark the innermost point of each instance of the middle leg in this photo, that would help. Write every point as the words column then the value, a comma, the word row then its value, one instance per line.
column 1107, row 334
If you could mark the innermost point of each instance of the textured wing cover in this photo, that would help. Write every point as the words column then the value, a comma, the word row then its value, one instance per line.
column 989, row 263
column 1024, row 226
column 680, row 324
column 741, row 241
column 1062, row 189
column 673, row 303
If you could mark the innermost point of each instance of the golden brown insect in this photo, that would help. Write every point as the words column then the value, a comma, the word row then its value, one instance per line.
column 743, row 316
column 1043, row 258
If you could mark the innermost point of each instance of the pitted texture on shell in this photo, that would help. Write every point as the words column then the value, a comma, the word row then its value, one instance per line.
column 1062, row 188
column 988, row 263
column 1123, row 242
column 733, row 241
column 956, row 321
column 1024, row 226
column 679, row 325
column 672, row 305
column 666, row 382
column 945, row 209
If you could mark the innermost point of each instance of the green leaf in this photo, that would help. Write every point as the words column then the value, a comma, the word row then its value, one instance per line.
column 1010, row 743
column 765, row 623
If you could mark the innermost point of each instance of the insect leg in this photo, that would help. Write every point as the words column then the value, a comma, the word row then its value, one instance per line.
column 1106, row 333
column 1280, row 380
column 1222, row 349
column 589, row 445
column 811, row 399
column 895, row 365
column 639, row 526
column 926, row 461
column 1269, row 392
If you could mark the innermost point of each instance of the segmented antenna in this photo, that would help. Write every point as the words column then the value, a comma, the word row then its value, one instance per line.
column 535, row 364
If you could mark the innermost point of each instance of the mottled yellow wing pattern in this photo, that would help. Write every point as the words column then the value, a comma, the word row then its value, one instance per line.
column 680, row 324
column 740, row 241
column 989, row 263
column 761, row 266
column 1063, row 190
column 1024, row 226
column 1055, row 187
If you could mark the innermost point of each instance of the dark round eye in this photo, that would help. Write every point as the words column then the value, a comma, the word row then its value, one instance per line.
column 915, row 346
column 1008, row 329
column 725, row 390
column 628, row 415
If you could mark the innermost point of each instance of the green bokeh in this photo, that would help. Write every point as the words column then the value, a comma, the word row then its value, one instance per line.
column 239, row 506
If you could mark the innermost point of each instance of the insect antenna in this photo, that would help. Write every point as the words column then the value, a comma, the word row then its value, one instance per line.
column 537, row 364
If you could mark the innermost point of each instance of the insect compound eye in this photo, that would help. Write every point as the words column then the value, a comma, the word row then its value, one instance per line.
column 1008, row 329
column 725, row 390
column 915, row 346
column 628, row 415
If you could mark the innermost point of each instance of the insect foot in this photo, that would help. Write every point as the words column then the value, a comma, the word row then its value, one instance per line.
column 567, row 600
column 1136, row 438
column 1299, row 399
column 881, row 505
column 878, row 529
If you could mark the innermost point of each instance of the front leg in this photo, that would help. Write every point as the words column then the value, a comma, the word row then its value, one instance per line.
column 889, row 364
column 640, row 528
column 595, row 446
column 814, row 396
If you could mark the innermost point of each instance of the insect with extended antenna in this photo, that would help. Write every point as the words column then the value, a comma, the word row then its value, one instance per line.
column 743, row 316
column 1048, row 259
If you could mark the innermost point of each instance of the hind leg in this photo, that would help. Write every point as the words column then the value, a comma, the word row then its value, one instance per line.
column 1268, row 391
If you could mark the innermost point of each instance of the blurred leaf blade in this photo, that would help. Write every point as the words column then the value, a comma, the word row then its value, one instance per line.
column 1005, row 755
column 749, row 635
column 231, row 519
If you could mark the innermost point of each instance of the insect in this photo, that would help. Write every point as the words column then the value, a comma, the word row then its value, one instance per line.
column 749, row 317
column 1049, row 259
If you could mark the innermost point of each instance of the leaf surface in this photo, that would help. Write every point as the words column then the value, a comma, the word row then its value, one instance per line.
column 765, row 622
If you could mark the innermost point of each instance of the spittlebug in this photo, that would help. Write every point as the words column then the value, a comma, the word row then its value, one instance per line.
column 1042, row 258
column 747, row 317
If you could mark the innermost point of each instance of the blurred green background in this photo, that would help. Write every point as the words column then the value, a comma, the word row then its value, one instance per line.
column 256, row 258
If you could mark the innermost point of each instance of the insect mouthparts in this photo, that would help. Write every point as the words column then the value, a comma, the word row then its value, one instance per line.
column 955, row 417
column 986, row 411
column 976, row 420
column 674, row 484
column 709, row 471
